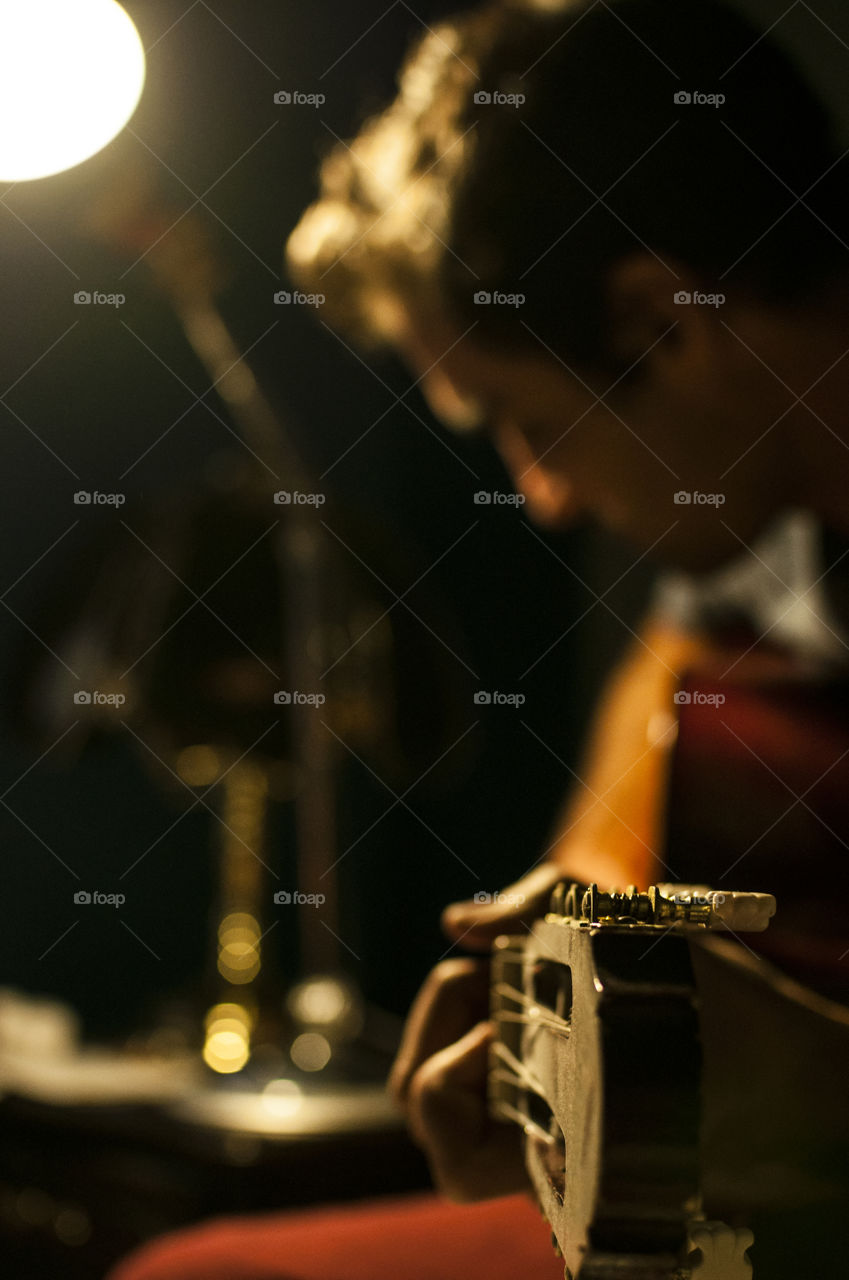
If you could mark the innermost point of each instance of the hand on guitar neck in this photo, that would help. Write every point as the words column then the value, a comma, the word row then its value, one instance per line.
column 608, row 832
column 439, row 1077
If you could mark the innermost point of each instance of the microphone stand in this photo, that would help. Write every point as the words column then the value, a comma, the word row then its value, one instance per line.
column 186, row 270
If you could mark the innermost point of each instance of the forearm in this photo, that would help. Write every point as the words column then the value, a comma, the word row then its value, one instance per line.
column 610, row 828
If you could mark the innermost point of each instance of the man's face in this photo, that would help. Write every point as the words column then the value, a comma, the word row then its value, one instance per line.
column 667, row 460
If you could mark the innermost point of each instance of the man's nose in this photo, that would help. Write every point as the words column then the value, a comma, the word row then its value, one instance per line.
column 552, row 499
column 551, row 496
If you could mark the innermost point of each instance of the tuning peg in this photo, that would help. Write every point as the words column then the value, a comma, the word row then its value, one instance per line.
column 723, row 1251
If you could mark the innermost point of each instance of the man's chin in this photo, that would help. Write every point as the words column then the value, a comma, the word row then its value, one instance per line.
column 698, row 560
column 697, row 557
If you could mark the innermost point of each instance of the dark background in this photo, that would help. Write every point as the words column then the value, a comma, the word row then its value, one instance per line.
column 99, row 398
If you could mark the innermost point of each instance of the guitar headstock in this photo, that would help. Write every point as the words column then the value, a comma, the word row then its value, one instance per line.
column 598, row 1057
column 665, row 905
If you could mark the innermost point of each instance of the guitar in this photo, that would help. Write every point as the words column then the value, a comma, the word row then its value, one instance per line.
column 674, row 1087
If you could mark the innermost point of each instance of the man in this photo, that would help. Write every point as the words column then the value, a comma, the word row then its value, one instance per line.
column 660, row 190
column 614, row 236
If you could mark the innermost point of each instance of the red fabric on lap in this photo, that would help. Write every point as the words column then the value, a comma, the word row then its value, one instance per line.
column 409, row 1238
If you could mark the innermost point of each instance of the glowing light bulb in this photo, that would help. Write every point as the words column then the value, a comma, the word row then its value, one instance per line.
column 71, row 75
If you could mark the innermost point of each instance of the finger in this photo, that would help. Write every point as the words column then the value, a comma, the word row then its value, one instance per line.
column 454, row 997
column 448, row 1094
column 478, row 924
column 470, row 1155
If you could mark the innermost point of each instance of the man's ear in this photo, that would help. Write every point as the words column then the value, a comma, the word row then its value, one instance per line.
column 651, row 317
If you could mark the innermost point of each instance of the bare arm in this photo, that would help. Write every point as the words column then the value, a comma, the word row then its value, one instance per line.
column 609, row 830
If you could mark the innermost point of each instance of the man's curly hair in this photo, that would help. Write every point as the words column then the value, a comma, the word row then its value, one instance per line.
column 532, row 145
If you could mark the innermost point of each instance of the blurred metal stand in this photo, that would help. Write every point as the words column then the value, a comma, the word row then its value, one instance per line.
column 182, row 260
column 185, row 269
column 212, row 699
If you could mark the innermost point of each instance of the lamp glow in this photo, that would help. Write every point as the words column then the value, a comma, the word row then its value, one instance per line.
column 71, row 75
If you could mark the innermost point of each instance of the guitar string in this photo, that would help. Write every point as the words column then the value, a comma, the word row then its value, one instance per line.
column 542, row 1015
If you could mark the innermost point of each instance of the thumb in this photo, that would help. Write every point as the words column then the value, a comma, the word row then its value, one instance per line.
column 477, row 924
